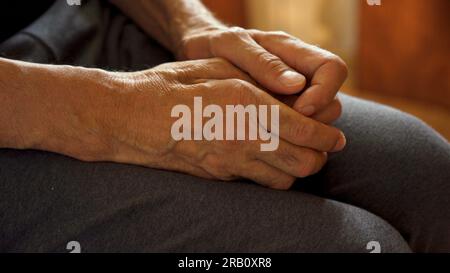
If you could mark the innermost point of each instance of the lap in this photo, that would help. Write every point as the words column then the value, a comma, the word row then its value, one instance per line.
column 48, row 200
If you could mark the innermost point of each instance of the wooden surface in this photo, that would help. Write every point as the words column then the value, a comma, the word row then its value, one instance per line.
column 405, row 49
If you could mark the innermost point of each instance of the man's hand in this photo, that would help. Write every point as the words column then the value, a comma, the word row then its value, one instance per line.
column 144, row 124
column 278, row 61
column 95, row 115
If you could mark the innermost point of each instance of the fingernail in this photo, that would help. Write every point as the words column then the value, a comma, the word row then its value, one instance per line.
column 308, row 110
column 291, row 78
column 340, row 145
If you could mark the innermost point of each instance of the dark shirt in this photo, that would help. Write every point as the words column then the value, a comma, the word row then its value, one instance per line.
column 18, row 14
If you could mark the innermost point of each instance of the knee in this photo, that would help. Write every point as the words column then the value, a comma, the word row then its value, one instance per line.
column 418, row 157
column 395, row 145
column 334, row 227
column 403, row 163
column 365, row 232
column 425, row 161
column 414, row 140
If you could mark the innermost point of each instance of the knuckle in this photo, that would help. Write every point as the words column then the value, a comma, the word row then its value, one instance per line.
column 242, row 92
column 288, row 157
column 211, row 161
column 303, row 131
column 323, row 101
column 221, row 40
column 216, row 167
column 339, row 63
column 269, row 179
column 309, row 165
column 284, row 183
column 239, row 84
column 182, row 75
column 221, row 62
column 267, row 61
column 232, row 34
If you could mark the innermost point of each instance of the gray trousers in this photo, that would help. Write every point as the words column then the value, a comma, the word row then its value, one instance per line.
column 391, row 185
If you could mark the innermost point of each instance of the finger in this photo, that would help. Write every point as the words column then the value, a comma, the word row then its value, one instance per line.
column 288, row 100
column 266, row 175
column 309, row 133
column 330, row 114
column 266, row 68
column 327, row 116
column 300, row 130
column 326, row 71
column 289, row 124
column 294, row 160
column 324, row 87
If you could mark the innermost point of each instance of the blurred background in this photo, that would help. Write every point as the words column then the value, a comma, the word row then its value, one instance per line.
column 398, row 52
